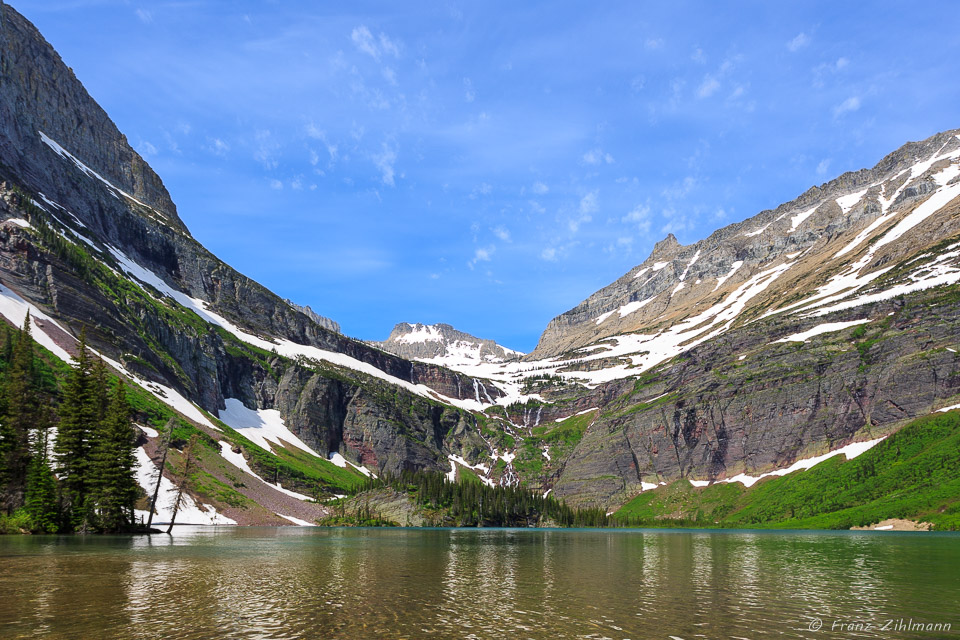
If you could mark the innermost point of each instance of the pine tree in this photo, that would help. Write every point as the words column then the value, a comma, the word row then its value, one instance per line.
column 112, row 487
column 41, row 494
column 77, row 421
column 19, row 417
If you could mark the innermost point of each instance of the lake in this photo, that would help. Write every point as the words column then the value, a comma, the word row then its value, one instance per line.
column 234, row 582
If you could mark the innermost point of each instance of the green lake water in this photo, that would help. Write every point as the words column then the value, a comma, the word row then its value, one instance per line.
column 488, row 583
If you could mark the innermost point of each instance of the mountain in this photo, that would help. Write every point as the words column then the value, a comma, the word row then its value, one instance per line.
column 819, row 327
column 442, row 344
column 90, row 239
column 829, row 320
column 850, row 229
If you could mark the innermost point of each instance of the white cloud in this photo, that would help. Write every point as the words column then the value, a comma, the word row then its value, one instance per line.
column 146, row 149
column 482, row 254
column 388, row 46
column 588, row 203
column 539, row 188
column 319, row 134
column 847, row 106
column 502, row 232
column 217, row 147
column 145, row 16
column 389, row 75
column 639, row 216
column 823, row 167
column 384, row 161
column 484, row 189
column 800, row 41
column 364, row 41
column 276, row 184
column 680, row 190
column 549, row 254
column 469, row 94
column 708, row 87
column 266, row 150
column 698, row 57
column 653, row 43
column 841, row 63
column 597, row 156
column 536, row 207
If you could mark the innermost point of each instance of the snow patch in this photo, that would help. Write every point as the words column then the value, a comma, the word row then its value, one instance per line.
column 733, row 269
column 848, row 202
column 827, row 327
column 851, row 451
column 758, row 231
column 296, row 521
column 237, row 460
column 798, row 219
column 189, row 513
column 263, row 427
column 63, row 153
column 631, row 307
column 150, row 432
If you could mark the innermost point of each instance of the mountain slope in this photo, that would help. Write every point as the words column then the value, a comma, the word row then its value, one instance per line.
column 89, row 238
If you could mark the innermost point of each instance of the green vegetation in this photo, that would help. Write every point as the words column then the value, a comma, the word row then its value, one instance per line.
column 94, row 489
column 473, row 504
column 913, row 474
column 294, row 468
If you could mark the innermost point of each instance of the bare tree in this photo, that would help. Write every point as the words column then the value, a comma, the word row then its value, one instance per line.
column 188, row 463
column 164, row 447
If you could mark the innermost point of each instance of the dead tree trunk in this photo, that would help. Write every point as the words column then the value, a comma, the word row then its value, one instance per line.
column 164, row 446
column 184, row 479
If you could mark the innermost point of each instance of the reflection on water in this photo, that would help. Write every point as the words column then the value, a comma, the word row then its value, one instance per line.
column 367, row 583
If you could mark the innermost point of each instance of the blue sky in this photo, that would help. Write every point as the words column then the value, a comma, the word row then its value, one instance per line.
column 492, row 164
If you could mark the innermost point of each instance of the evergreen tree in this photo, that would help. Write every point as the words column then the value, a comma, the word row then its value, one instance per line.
column 19, row 417
column 113, row 489
column 78, row 417
column 41, row 494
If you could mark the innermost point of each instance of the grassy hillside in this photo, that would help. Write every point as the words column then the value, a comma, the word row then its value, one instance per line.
column 913, row 474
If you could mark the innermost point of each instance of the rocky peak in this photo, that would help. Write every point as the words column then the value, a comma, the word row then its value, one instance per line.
column 41, row 95
column 665, row 248
column 442, row 344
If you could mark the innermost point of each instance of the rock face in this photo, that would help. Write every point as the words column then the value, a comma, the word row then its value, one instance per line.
column 442, row 344
column 320, row 320
column 710, row 415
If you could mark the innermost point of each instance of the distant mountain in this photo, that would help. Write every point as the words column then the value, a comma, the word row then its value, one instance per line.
column 444, row 345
